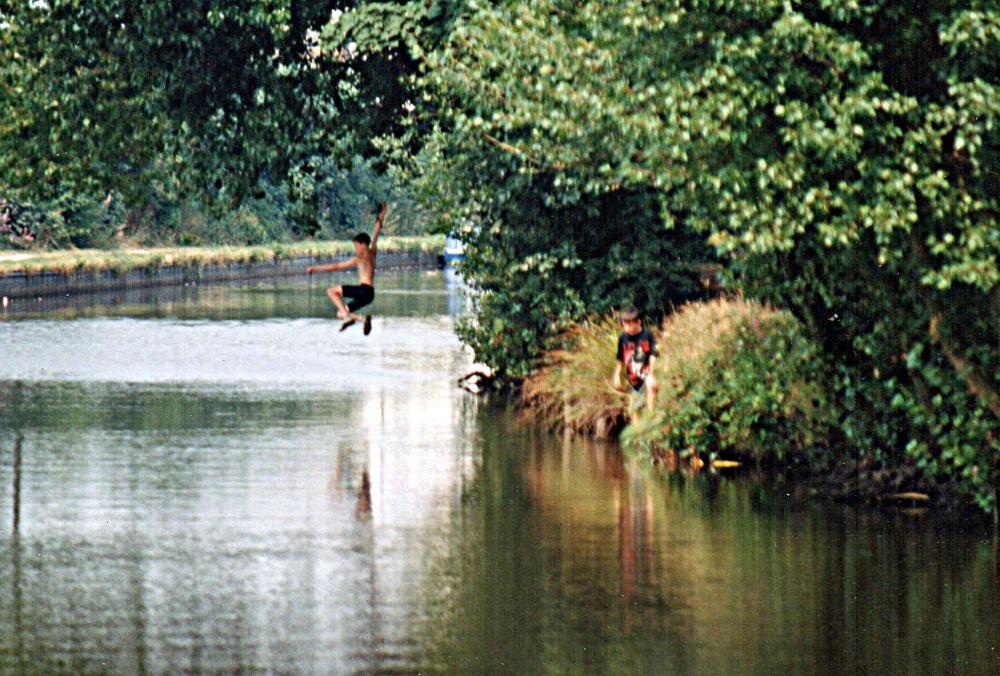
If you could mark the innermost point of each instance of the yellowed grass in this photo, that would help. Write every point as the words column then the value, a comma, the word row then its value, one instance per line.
column 573, row 389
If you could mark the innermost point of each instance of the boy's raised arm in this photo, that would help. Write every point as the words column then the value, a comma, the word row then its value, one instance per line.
column 382, row 210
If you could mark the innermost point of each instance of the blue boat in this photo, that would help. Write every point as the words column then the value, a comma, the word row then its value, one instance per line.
column 454, row 250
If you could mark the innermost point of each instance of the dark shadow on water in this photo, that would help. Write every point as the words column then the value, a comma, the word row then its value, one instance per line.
column 364, row 506
column 16, row 489
column 567, row 549
column 17, row 594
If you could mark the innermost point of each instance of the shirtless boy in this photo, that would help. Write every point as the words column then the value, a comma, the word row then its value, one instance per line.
column 363, row 292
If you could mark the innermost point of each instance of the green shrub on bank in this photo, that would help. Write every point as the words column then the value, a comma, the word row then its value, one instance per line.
column 189, row 224
column 573, row 389
column 737, row 379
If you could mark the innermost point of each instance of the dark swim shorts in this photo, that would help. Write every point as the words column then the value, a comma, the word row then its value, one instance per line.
column 360, row 295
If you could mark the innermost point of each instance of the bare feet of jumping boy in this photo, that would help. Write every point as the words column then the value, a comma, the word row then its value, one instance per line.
column 351, row 320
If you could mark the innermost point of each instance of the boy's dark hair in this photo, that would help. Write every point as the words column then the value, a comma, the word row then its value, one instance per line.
column 363, row 238
column 630, row 314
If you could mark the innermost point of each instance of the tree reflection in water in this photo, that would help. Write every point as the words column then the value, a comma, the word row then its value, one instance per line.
column 568, row 557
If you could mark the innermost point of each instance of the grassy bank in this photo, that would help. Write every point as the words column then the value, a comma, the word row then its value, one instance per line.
column 736, row 379
column 123, row 260
column 573, row 388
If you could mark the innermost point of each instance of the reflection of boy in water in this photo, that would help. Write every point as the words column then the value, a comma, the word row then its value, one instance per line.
column 637, row 353
column 363, row 293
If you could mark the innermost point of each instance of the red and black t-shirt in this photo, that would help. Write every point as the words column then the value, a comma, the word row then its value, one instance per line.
column 634, row 352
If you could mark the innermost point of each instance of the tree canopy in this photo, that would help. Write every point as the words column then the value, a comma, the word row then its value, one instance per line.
column 160, row 104
column 212, row 97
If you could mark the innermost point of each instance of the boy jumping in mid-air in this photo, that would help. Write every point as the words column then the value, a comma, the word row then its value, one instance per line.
column 637, row 353
column 363, row 292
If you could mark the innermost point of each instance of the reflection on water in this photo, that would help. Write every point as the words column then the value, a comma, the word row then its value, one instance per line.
column 572, row 559
column 206, row 487
column 225, row 483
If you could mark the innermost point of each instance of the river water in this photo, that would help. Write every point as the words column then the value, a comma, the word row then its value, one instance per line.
column 215, row 480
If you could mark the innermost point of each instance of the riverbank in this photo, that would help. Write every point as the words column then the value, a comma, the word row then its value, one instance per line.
column 36, row 274
column 738, row 382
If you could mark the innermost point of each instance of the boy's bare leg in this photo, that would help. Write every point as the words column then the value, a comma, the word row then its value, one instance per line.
column 336, row 295
column 650, row 393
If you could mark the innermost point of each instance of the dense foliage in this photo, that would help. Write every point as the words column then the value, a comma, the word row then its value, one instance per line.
column 69, row 220
column 223, row 118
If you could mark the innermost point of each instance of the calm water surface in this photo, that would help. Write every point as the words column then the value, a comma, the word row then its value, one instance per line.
column 215, row 480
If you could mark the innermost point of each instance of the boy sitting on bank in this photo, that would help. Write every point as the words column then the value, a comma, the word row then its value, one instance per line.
column 636, row 353
column 363, row 293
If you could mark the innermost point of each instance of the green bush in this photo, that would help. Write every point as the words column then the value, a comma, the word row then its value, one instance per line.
column 905, row 360
column 69, row 221
column 738, row 379
column 329, row 199
column 189, row 224
column 86, row 223
column 20, row 223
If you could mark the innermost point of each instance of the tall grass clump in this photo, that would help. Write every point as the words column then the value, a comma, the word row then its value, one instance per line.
column 573, row 388
column 737, row 379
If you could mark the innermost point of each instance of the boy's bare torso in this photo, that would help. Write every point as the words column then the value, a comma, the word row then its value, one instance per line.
column 366, row 267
